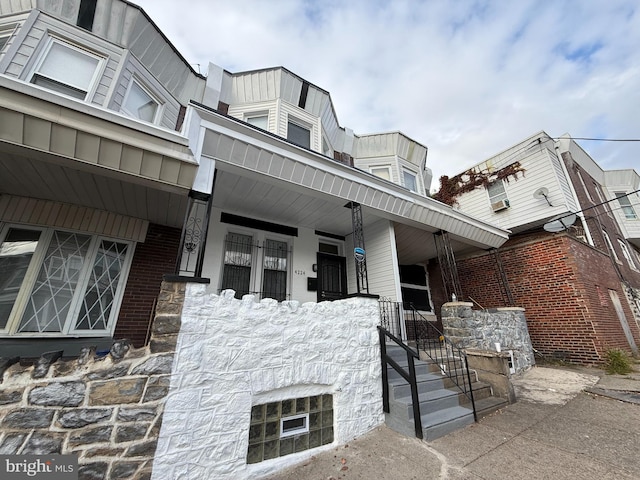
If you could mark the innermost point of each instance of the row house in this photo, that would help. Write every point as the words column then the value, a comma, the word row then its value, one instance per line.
column 573, row 257
column 122, row 165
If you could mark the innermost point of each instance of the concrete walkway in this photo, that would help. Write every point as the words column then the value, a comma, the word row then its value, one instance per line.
column 561, row 432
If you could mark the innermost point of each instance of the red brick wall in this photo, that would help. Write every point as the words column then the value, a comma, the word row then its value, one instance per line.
column 152, row 259
column 564, row 286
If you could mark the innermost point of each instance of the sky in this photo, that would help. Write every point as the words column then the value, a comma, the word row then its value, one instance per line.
column 467, row 79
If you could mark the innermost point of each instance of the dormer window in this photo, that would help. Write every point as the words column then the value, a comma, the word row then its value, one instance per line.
column 140, row 104
column 410, row 180
column 67, row 69
column 298, row 134
column 260, row 121
column 382, row 172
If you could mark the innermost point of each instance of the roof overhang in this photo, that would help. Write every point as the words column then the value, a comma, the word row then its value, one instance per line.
column 239, row 150
column 53, row 145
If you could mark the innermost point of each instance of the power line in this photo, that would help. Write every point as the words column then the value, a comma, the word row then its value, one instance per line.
column 598, row 139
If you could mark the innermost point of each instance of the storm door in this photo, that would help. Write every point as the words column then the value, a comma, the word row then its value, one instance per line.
column 332, row 277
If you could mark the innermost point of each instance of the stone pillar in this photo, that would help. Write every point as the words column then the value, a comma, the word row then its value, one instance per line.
column 500, row 329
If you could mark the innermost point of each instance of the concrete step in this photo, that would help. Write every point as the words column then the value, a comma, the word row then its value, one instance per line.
column 422, row 368
column 430, row 402
column 443, row 422
column 487, row 406
column 425, row 383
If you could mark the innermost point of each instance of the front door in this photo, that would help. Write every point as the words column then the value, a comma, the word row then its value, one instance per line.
column 332, row 277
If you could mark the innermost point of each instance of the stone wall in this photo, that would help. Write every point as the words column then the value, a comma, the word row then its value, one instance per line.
column 475, row 329
column 234, row 354
column 107, row 410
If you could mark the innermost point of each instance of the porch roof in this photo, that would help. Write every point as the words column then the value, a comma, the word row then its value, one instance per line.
column 60, row 149
column 265, row 176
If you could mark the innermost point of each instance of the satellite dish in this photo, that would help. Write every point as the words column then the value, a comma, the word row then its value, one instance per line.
column 542, row 192
column 560, row 223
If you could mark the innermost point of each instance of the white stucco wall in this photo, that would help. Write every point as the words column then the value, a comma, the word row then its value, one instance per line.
column 232, row 354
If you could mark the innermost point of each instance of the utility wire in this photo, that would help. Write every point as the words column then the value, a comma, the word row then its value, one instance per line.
column 598, row 139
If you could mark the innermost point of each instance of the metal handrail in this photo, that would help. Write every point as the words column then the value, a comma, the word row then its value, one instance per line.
column 444, row 355
column 409, row 376
column 451, row 360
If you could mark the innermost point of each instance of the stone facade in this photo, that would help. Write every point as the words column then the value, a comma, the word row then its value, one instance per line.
column 235, row 354
column 107, row 410
column 482, row 330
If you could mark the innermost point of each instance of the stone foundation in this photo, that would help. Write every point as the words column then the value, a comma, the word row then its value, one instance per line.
column 107, row 410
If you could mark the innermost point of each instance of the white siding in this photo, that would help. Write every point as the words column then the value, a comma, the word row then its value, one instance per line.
column 255, row 87
column 15, row 6
column 22, row 63
column 382, row 264
column 240, row 111
column 540, row 171
column 287, row 110
column 32, row 211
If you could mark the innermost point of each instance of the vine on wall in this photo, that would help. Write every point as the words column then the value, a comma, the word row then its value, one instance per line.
column 452, row 187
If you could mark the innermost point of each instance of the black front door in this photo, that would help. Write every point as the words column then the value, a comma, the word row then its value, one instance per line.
column 332, row 277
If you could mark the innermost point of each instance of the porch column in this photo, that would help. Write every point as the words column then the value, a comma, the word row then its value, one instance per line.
column 194, row 235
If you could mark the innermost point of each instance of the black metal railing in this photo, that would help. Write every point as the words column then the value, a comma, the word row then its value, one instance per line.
column 451, row 360
column 409, row 375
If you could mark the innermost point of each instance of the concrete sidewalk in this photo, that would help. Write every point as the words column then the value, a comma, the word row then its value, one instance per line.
column 584, row 436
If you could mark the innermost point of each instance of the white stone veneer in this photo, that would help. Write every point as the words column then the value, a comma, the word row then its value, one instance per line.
column 233, row 354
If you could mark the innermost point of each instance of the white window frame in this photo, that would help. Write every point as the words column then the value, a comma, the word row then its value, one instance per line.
column 496, row 197
column 584, row 187
column 335, row 243
column 610, row 245
column 256, row 278
column 381, row 167
column 296, row 431
column 626, row 206
column 600, row 194
column 627, row 254
column 327, row 150
column 159, row 104
column 51, row 41
column 33, row 270
column 6, row 32
column 262, row 114
column 302, row 124
column 407, row 171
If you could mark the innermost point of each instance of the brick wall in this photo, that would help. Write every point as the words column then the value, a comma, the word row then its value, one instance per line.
column 564, row 286
column 152, row 259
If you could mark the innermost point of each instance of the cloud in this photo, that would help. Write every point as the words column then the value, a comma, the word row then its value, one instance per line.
column 467, row 78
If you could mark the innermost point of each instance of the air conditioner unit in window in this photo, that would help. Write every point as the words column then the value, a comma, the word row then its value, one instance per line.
column 500, row 205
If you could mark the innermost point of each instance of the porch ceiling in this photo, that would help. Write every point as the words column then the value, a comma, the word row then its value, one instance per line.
column 263, row 199
column 268, row 201
column 48, row 178
column 60, row 149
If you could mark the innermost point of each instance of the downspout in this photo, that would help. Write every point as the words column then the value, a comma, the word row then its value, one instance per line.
column 580, row 214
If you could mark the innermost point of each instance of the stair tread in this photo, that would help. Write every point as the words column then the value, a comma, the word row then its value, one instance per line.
column 490, row 402
column 427, row 396
column 422, row 377
column 444, row 416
